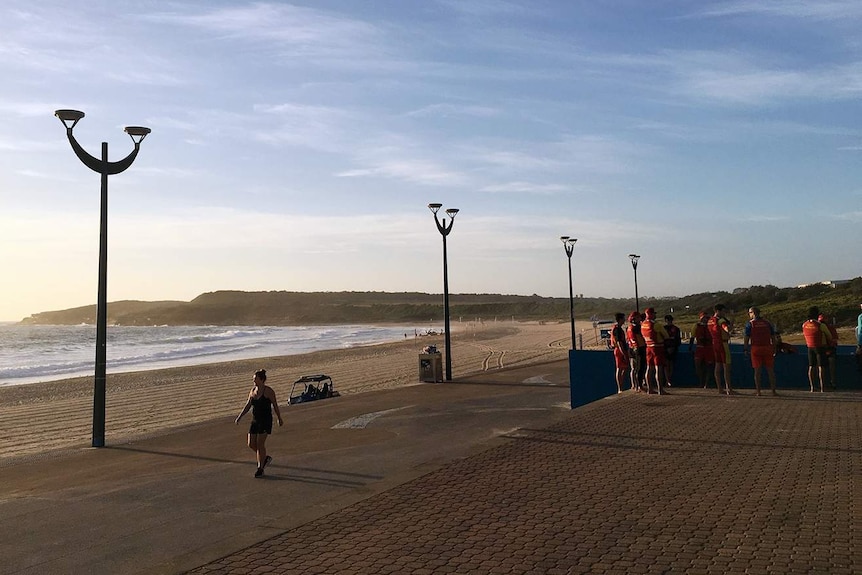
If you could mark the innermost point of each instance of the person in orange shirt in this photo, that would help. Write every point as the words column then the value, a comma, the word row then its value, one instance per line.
column 759, row 342
column 832, row 349
column 817, row 339
column 654, row 335
column 621, row 350
column 719, row 330
column 704, row 356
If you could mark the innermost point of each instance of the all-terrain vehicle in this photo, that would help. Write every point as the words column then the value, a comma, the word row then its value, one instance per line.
column 313, row 387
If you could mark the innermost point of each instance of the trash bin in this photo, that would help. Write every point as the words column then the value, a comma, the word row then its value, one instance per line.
column 431, row 367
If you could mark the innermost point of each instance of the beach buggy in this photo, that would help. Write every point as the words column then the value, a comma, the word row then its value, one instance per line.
column 312, row 388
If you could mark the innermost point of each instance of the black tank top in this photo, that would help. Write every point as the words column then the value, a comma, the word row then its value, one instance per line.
column 261, row 408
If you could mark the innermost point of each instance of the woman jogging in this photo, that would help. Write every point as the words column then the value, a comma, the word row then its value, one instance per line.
column 261, row 401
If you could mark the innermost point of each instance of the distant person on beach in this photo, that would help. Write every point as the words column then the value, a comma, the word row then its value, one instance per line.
column 655, row 336
column 261, row 402
column 704, row 355
column 831, row 353
column 637, row 351
column 671, row 346
column 719, row 331
column 817, row 339
column 621, row 351
column 759, row 343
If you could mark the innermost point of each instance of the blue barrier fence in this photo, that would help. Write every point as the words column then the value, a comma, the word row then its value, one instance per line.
column 591, row 372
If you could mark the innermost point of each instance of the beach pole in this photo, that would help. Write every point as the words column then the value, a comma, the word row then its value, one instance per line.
column 569, row 246
column 444, row 231
column 105, row 168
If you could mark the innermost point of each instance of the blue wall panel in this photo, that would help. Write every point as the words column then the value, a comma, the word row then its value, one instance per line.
column 591, row 373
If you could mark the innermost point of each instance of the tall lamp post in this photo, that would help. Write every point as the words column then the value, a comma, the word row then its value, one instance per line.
column 635, row 258
column 105, row 168
column 569, row 246
column 444, row 231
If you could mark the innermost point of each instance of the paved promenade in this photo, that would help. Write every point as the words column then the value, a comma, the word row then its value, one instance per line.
column 689, row 483
column 488, row 475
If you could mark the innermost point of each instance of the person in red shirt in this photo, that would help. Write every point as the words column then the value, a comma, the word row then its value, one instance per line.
column 621, row 350
column 817, row 339
column 637, row 351
column 832, row 350
column 654, row 336
column 719, row 330
column 704, row 356
column 759, row 342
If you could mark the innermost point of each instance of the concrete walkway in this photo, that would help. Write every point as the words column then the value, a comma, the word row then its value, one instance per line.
column 488, row 475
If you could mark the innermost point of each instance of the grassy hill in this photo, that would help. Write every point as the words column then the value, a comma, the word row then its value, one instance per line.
column 786, row 307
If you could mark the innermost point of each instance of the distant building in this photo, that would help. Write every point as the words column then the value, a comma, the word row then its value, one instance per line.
column 830, row 283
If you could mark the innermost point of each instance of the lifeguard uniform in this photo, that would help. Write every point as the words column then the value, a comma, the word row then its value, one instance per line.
column 761, row 334
column 620, row 347
column 817, row 338
column 654, row 336
column 703, row 340
column 719, row 331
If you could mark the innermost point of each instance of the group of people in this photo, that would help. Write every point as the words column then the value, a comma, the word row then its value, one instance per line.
column 646, row 351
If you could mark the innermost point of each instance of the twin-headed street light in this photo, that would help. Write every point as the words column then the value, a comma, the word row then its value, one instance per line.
column 444, row 231
column 105, row 168
column 635, row 258
column 569, row 246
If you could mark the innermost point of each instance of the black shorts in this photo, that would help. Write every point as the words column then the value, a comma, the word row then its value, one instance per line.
column 815, row 356
column 670, row 353
column 260, row 427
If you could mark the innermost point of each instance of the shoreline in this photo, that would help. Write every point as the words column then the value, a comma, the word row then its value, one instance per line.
column 153, row 402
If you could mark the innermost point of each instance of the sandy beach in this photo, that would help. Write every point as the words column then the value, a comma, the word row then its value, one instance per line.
column 42, row 418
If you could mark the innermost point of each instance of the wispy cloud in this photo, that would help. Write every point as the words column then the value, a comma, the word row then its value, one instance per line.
column 302, row 32
column 855, row 216
column 765, row 218
column 817, row 9
column 524, row 188
column 418, row 171
column 447, row 110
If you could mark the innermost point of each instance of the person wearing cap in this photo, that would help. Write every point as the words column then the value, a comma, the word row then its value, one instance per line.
column 621, row 350
column 817, row 339
column 831, row 352
column 759, row 343
column 719, row 330
column 637, row 350
column 704, row 356
column 655, row 337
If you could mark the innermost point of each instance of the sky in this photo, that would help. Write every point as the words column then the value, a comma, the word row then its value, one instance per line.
column 296, row 145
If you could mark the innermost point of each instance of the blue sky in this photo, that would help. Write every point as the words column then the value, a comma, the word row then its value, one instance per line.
column 295, row 146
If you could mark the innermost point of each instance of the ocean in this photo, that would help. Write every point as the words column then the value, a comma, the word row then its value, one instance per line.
column 36, row 353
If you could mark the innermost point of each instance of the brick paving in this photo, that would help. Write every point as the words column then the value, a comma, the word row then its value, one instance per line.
column 688, row 483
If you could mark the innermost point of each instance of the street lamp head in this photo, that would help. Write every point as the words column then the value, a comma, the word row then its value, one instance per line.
column 67, row 116
column 137, row 133
column 435, row 208
column 634, row 258
column 452, row 212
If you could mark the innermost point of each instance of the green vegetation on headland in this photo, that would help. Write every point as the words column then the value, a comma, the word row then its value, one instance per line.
column 786, row 307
